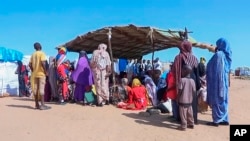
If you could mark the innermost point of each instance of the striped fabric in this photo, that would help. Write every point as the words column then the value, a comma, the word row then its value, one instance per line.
column 184, row 57
column 61, row 56
column 60, row 59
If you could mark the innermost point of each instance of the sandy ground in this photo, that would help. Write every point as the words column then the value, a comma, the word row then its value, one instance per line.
column 20, row 121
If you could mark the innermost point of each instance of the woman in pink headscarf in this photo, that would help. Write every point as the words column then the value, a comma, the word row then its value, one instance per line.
column 101, row 67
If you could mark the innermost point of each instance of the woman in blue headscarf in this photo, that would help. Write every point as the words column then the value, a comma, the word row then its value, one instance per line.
column 218, row 82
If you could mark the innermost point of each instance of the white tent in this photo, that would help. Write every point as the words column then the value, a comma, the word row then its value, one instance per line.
column 8, row 78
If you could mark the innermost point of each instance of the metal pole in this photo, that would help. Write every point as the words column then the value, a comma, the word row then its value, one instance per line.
column 111, row 55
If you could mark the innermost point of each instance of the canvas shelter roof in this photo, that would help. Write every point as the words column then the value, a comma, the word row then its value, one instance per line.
column 10, row 55
column 131, row 41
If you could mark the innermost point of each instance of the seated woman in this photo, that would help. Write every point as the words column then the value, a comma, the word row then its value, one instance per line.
column 121, row 92
column 137, row 98
column 151, row 88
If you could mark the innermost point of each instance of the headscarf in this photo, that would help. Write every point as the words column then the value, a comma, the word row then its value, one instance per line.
column 218, row 68
column 184, row 57
column 202, row 67
column 82, row 73
column 202, row 60
column 61, row 56
column 223, row 45
column 100, row 57
column 82, row 53
column 62, row 50
column 102, row 47
column 136, row 82
column 19, row 67
column 149, row 80
column 186, row 54
column 185, row 48
column 124, row 81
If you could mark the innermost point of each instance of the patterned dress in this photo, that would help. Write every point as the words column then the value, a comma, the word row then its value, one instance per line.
column 100, row 64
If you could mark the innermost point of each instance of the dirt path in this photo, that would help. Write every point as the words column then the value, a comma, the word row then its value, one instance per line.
column 72, row 122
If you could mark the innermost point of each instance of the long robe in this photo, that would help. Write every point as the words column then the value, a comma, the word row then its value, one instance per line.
column 53, row 80
column 22, row 79
column 218, row 69
column 151, row 89
column 186, row 57
column 100, row 63
column 83, row 77
column 63, row 84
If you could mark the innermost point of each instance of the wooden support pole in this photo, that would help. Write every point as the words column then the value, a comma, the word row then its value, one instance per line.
column 153, row 52
column 150, row 35
column 153, row 55
column 111, row 55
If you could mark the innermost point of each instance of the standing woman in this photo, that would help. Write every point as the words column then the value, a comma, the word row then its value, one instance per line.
column 61, row 75
column 53, row 79
column 186, row 57
column 82, row 77
column 218, row 82
column 101, row 66
column 22, row 73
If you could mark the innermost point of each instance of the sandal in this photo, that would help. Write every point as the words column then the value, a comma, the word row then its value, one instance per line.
column 44, row 107
column 213, row 124
column 223, row 123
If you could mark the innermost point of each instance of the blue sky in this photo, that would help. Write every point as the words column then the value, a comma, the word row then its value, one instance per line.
column 54, row 22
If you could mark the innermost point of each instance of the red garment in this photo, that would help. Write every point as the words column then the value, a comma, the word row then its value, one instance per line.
column 63, row 84
column 24, row 74
column 130, row 95
column 171, row 89
column 138, row 97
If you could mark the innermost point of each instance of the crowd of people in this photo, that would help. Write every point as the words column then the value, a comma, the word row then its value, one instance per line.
column 190, row 85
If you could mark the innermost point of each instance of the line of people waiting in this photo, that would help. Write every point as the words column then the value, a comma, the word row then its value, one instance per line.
column 143, row 87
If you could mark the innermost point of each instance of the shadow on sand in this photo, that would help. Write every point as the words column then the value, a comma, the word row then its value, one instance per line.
column 21, row 106
column 23, row 98
column 30, row 99
column 160, row 120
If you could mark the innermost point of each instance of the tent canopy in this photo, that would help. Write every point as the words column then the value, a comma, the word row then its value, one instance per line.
column 131, row 41
column 10, row 55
